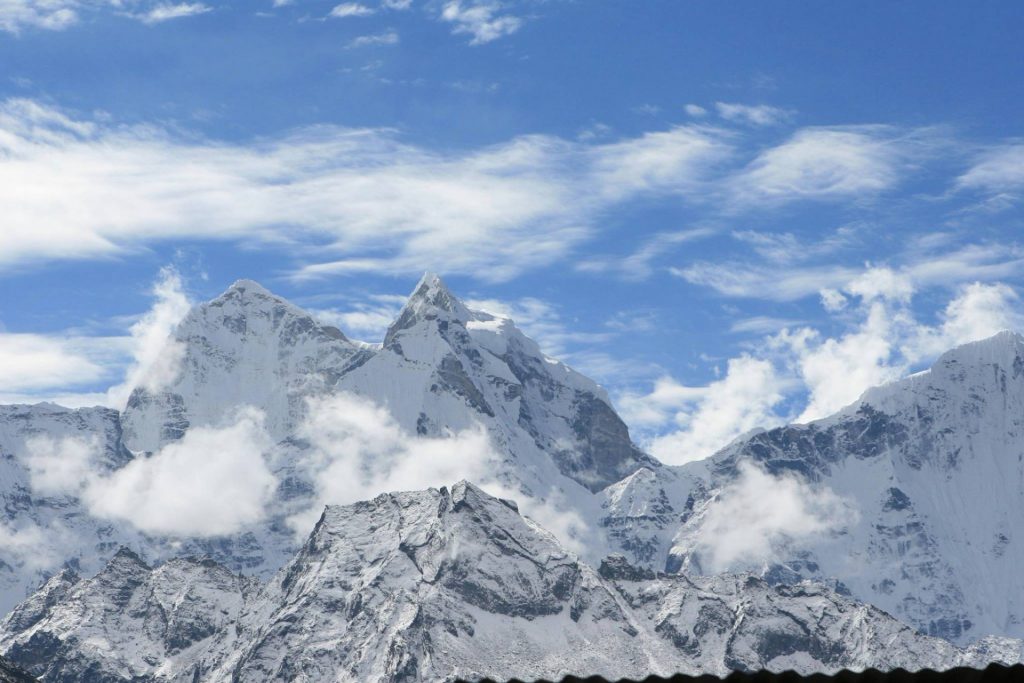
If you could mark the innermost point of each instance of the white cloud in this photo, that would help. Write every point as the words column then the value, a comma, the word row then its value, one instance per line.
column 157, row 356
column 740, row 279
column 638, row 265
column 825, row 163
column 832, row 300
column 166, row 11
column 60, row 466
column 367, row 320
column 542, row 323
column 482, row 20
column 30, row 546
column 360, row 199
column 755, row 115
column 863, row 358
column 385, row 38
column 666, row 161
column 709, row 417
column 979, row 311
column 350, row 9
column 359, row 451
column 880, row 340
column 53, row 15
column 882, row 283
column 695, row 110
column 34, row 362
column 781, row 280
column 1000, row 170
column 755, row 516
column 213, row 481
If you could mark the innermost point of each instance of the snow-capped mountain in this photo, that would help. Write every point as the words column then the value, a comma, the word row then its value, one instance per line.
column 932, row 466
column 437, row 585
column 441, row 368
column 930, row 469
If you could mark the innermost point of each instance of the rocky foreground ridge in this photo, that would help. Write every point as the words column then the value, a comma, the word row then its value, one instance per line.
column 439, row 585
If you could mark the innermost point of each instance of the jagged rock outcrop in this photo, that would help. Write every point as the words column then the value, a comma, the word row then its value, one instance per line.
column 438, row 585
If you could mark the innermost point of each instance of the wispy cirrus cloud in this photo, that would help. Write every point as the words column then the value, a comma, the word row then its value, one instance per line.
column 361, row 195
column 754, row 115
column 162, row 12
column 374, row 39
column 350, row 9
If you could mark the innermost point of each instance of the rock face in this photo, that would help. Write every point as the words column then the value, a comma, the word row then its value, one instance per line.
column 437, row 585
column 933, row 466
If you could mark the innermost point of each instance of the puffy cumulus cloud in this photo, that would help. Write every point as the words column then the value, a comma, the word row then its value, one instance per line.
column 60, row 367
column 980, row 310
column 754, row 115
column 362, row 199
column 156, row 354
column 751, row 520
column 708, row 418
column 357, row 451
column 822, row 163
column 484, row 20
column 862, row 358
column 889, row 341
column 800, row 373
column 213, row 481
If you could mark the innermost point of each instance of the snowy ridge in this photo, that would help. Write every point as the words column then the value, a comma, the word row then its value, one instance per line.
column 934, row 464
column 441, row 584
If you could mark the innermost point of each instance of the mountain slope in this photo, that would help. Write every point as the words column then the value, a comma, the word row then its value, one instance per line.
column 439, row 584
column 934, row 466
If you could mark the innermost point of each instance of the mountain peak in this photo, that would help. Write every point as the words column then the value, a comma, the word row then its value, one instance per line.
column 430, row 300
column 431, row 291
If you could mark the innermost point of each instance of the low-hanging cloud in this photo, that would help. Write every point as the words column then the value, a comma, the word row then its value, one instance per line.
column 755, row 516
column 156, row 354
column 358, row 450
column 214, row 481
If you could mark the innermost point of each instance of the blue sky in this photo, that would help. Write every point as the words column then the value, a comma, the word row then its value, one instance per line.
column 730, row 214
